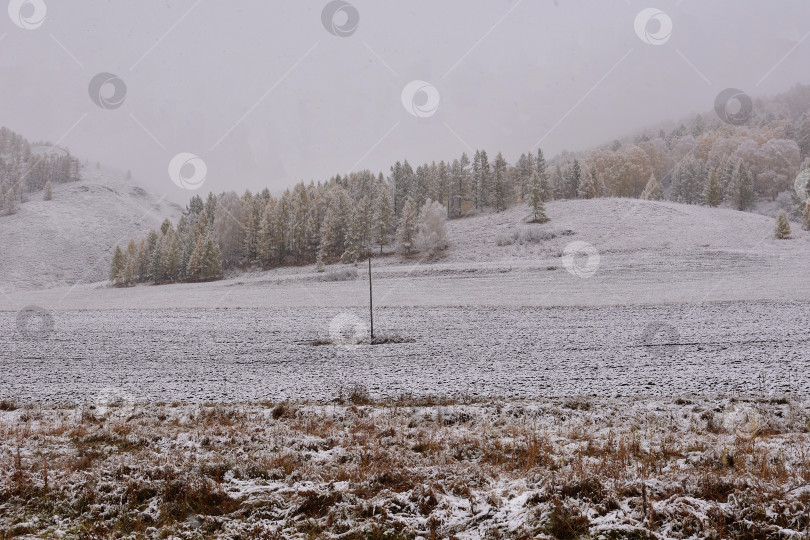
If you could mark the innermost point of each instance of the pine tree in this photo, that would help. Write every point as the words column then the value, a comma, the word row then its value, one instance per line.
column 782, row 230
column 741, row 190
column 47, row 193
column 537, row 199
column 712, row 195
column 652, row 191
column 806, row 216
column 406, row 232
column 117, row 266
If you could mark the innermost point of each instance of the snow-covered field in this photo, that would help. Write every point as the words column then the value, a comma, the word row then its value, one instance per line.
column 257, row 354
column 683, row 299
column 658, row 393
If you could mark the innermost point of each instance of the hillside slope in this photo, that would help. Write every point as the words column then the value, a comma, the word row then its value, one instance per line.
column 69, row 239
column 649, row 253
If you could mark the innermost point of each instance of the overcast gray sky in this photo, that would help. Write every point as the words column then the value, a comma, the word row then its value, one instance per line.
column 266, row 96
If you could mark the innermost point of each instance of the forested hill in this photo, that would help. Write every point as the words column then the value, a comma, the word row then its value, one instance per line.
column 26, row 168
column 735, row 161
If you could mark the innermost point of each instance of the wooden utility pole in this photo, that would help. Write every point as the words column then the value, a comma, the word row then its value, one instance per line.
column 370, row 301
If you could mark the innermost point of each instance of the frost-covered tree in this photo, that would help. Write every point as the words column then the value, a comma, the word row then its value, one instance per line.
column 540, row 167
column 589, row 187
column 229, row 231
column 383, row 218
column 712, row 194
column 335, row 224
column 741, row 190
column 538, row 207
column 130, row 263
column 652, row 191
column 782, row 230
column 353, row 242
column 432, row 229
column 500, row 183
column 688, row 185
column 47, row 192
column 117, row 266
column 803, row 135
column 408, row 223
column 573, row 178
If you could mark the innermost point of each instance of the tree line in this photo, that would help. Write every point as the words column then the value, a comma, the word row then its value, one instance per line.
column 345, row 218
column 27, row 168
column 342, row 220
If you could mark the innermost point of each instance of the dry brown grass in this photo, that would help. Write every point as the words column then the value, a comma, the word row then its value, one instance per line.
column 434, row 467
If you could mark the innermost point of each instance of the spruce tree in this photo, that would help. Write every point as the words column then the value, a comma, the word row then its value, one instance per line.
column 782, row 230
column 537, row 200
column 712, row 195
column 741, row 190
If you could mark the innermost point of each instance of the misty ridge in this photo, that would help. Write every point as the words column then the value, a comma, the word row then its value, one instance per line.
column 340, row 269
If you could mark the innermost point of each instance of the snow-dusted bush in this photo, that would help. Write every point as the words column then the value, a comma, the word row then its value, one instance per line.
column 529, row 235
column 432, row 226
column 341, row 274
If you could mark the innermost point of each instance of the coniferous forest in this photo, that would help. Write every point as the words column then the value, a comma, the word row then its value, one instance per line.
column 24, row 171
column 701, row 161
